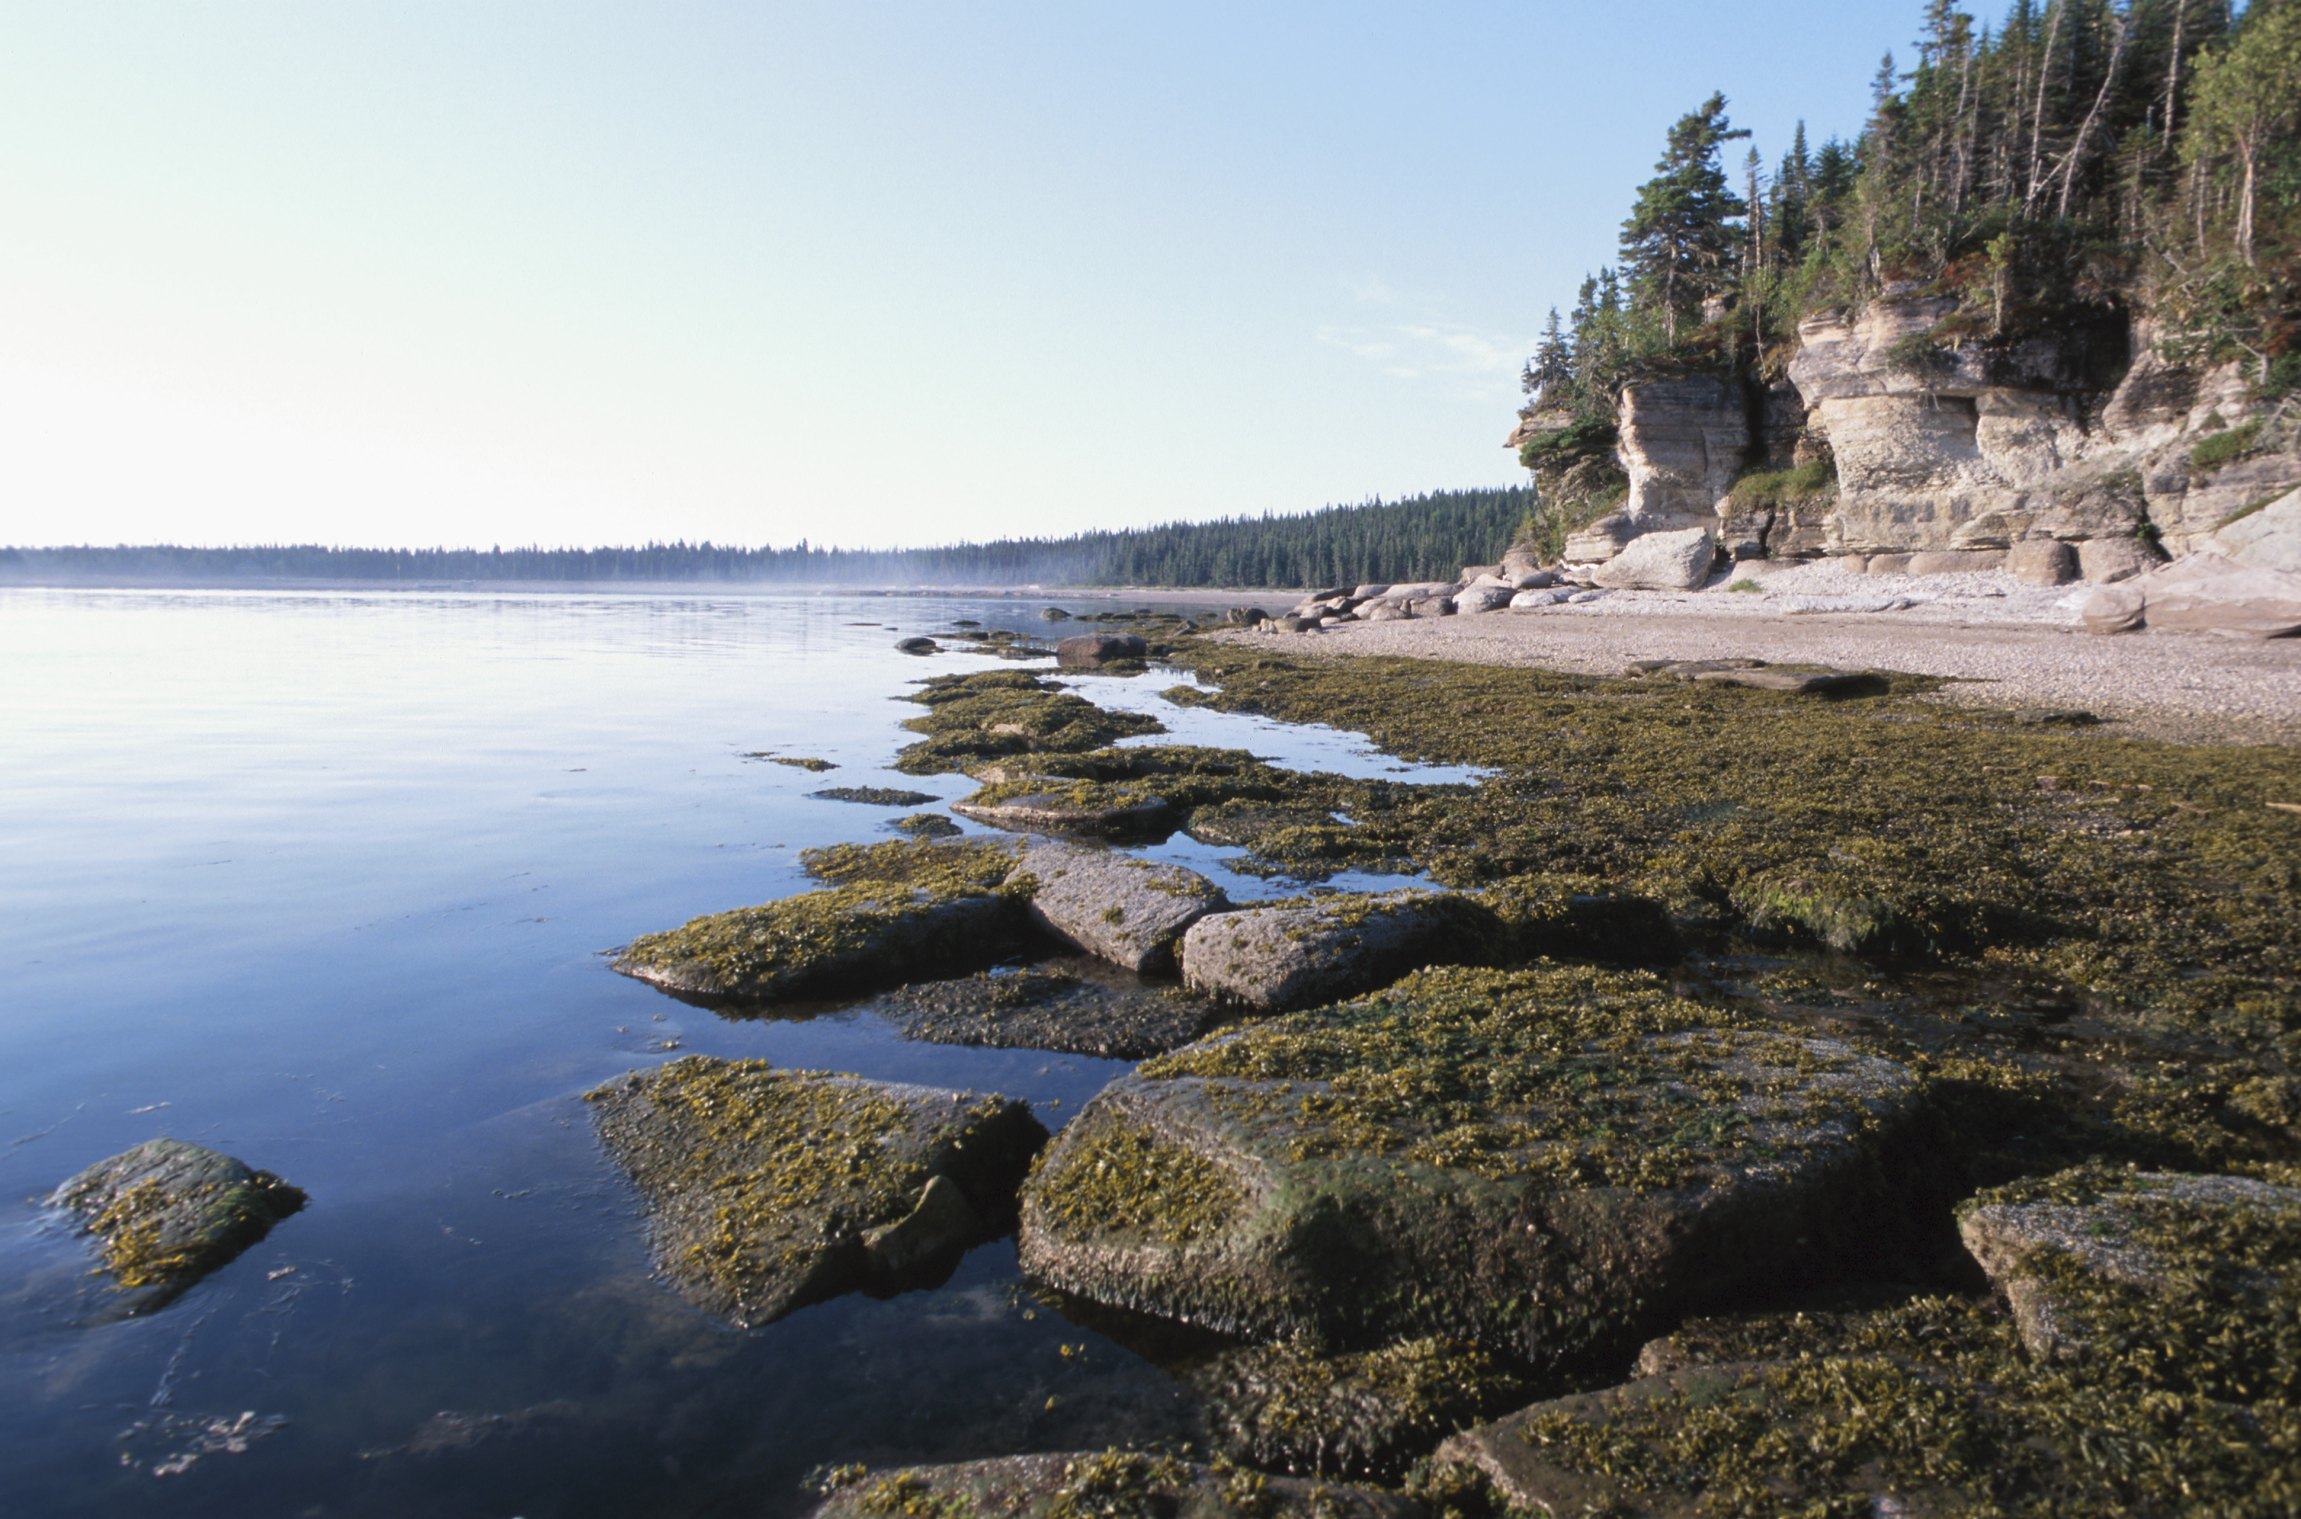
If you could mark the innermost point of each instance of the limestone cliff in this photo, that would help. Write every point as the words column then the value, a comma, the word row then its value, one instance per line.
column 1937, row 443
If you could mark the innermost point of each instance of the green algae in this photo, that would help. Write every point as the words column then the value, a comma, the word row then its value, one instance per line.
column 1294, row 1408
column 945, row 869
column 188, row 1211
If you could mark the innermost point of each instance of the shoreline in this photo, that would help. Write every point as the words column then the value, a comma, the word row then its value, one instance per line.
column 1167, row 595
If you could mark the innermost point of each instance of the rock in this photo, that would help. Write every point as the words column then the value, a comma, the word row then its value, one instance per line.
column 1090, row 650
column 1419, row 590
column 927, row 825
column 1388, row 611
column 1682, row 442
column 1274, row 958
column 1519, row 563
column 2264, row 537
column 1055, row 614
column 1472, row 574
column 1602, row 539
column 874, row 796
column 1583, row 598
column 1245, row 617
column 1483, row 599
column 2202, row 593
column 1799, row 682
column 1079, row 807
column 1080, row 1006
column 1551, row 1162
column 1955, row 561
column 1889, row 564
column 1127, row 911
column 1486, row 580
column 768, row 1190
column 2077, row 1253
column 167, row 1212
column 941, row 915
column 1299, row 624
column 1687, row 669
column 1368, row 592
column 919, row 646
column 1112, row 1483
column 1536, row 580
column 2105, row 561
column 1526, row 601
column 1674, row 561
column 1288, row 1408
column 2042, row 561
column 1431, row 606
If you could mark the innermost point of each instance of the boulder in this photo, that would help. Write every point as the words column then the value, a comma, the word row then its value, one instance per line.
column 918, row 646
column 1273, row 958
column 853, row 938
column 1888, row 564
column 2104, row 561
column 1368, row 592
column 1063, row 806
column 1090, row 650
column 1535, row 580
column 767, row 1190
column 1520, row 562
column 1484, row 598
column 1386, row 611
column 1245, row 617
column 1112, row 1483
column 2076, row 1254
column 1674, row 561
column 1298, row 624
column 1526, row 601
column 2041, row 561
column 1956, row 561
column 1054, row 614
column 168, row 1212
column 1130, row 912
column 1431, row 606
column 1583, row 598
column 1419, row 590
column 1602, row 539
column 2201, row 593
column 1080, row 1006
column 2264, row 537
column 1550, row 1162
column 1372, row 1413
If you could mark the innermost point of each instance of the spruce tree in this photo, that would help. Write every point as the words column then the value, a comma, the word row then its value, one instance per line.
column 1678, row 245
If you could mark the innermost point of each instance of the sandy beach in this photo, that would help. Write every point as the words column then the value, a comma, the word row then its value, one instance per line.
column 2002, row 644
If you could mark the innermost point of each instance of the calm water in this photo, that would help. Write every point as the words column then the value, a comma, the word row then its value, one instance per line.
column 322, row 880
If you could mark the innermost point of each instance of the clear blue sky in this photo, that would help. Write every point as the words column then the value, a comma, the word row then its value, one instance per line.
column 865, row 273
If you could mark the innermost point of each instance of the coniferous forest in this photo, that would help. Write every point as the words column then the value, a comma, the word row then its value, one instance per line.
column 1423, row 537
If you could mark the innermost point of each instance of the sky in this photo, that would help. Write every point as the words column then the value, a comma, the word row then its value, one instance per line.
column 867, row 273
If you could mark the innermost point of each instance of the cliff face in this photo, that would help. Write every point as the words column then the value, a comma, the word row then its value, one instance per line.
column 2088, row 435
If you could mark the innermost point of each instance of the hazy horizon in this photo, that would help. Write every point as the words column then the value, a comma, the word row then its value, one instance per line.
column 875, row 277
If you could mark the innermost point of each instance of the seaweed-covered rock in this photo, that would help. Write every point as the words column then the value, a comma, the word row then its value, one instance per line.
column 1288, row 1407
column 2091, row 1254
column 873, row 796
column 1091, row 650
column 993, row 713
column 1275, row 958
column 1548, row 1161
column 1128, row 911
column 1116, row 1484
column 824, row 943
column 1097, row 809
column 1079, row 1007
column 168, row 1212
column 768, row 1189
column 927, row 825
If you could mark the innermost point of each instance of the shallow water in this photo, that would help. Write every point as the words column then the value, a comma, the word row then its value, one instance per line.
column 323, row 880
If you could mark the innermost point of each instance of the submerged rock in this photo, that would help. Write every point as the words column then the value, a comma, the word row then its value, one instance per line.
column 2090, row 1255
column 1051, row 805
column 1275, row 958
column 873, row 796
column 1130, row 912
column 767, row 1189
column 927, row 825
column 1079, row 1007
column 895, row 911
column 1090, row 650
column 1550, row 1162
column 1116, row 1484
column 918, row 646
column 168, row 1212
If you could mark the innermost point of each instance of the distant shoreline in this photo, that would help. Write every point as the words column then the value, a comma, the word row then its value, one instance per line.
column 1168, row 595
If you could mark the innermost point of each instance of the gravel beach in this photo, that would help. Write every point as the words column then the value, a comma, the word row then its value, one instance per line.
column 2004, row 644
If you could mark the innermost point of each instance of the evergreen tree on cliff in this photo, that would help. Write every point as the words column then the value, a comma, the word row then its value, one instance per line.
column 2248, row 97
column 1680, row 242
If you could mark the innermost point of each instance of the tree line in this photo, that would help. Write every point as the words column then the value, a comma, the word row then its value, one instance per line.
column 1425, row 537
column 2082, row 157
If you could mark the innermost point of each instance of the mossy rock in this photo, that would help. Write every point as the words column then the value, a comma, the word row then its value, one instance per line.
column 1368, row 1414
column 2091, row 1259
column 1130, row 912
column 1078, row 1006
column 768, row 1189
column 873, row 796
column 1111, row 1484
column 168, row 1212
column 982, row 716
column 898, row 910
column 1089, row 808
column 1279, row 957
column 1549, row 1162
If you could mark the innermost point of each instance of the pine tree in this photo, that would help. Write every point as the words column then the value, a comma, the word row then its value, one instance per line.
column 1549, row 376
column 1678, row 245
column 2244, row 98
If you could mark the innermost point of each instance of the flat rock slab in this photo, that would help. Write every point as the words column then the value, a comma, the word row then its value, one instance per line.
column 1799, row 682
column 1087, row 651
column 1076, row 807
column 167, row 1213
column 2202, row 593
column 2076, row 1253
column 1110, row 1483
column 1502, row 1158
column 874, row 796
column 1276, row 958
column 1130, row 912
column 1079, row 1006
column 855, row 938
column 767, row 1190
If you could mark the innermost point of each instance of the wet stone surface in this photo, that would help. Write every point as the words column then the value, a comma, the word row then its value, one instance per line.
column 1072, row 1004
